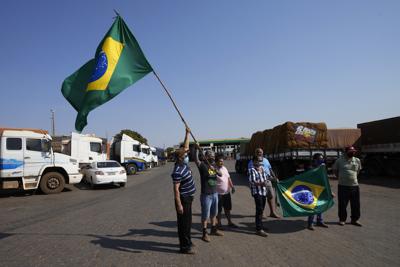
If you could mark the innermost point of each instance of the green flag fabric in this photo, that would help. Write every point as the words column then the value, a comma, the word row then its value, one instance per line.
column 305, row 194
column 118, row 63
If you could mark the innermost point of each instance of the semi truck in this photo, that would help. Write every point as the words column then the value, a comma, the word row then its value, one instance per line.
column 145, row 155
column 27, row 162
column 154, row 157
column 128, row 152
column 86, row 148
column 290, row 146
column 380, row 147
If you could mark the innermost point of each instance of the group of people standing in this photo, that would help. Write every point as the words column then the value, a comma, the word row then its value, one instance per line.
column 217, row 187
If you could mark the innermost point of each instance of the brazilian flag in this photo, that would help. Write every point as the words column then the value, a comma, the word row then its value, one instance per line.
column 118, row 63
column 305, row 194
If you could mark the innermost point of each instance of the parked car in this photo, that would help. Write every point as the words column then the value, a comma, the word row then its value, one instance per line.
column 104, row 172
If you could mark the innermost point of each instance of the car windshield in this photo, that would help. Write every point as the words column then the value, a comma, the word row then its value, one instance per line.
column 108, row 164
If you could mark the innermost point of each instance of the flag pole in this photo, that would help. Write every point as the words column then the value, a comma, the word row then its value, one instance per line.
column 179, row 112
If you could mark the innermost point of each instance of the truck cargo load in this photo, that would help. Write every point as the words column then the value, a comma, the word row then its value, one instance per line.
column 290, row 146
column 290, row 135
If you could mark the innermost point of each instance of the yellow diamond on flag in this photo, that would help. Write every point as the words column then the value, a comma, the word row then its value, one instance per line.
column 106, row 62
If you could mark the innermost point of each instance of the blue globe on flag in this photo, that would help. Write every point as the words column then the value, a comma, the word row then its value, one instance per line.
column 303, row 195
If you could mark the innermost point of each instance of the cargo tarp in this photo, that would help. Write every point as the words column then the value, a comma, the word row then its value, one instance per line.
column 340, row 138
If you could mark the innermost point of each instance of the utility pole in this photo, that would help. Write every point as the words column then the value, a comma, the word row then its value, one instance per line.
column 53, row 127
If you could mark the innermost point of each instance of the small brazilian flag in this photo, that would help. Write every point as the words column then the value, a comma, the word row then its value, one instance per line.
column 118, row 63
column 305, row 194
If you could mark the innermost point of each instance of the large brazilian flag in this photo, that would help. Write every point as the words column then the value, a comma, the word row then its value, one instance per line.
column 305, row 194
column 118, row 63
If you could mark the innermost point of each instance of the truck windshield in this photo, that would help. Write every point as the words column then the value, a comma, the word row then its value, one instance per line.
column 108, row 164
column 146, row 150
column 95, row 147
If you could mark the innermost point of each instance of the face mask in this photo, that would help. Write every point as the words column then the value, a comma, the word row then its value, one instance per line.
column 186, row 160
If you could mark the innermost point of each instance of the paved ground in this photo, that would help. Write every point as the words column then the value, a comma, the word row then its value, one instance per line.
column 136, row 225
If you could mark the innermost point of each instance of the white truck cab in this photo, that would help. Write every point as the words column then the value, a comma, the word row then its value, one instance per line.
column 154, row 157
column 127, row 151
column 86, row 148
column 145, row 154
column 27, row 162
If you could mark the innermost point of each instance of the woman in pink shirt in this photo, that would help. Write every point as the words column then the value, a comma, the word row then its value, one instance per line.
column 224, row 187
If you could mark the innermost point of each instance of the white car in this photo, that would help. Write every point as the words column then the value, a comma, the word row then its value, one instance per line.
column 104, row 172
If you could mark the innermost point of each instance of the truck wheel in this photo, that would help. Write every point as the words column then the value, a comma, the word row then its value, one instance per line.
column 131, row 169
column 52, row 183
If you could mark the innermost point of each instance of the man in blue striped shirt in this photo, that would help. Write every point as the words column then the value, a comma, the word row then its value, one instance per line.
column 184, row 189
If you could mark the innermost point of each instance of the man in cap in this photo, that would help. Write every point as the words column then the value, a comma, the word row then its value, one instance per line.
column 184, row 189
column 347, row 168
column 209, row 194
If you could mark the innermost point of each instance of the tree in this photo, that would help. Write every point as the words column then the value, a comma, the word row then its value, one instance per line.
column 133, row 134
column 169, row 150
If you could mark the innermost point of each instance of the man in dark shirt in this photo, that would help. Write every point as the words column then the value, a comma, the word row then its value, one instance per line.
column 209, row 195
column 184, row 189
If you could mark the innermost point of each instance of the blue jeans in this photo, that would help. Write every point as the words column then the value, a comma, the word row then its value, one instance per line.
column 311, row 219
column 209, row 206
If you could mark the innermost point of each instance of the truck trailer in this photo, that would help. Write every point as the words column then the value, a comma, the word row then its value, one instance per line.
column 380, row 147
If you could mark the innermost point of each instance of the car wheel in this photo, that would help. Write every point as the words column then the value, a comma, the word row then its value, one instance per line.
column 122, row 184
column 52, row 183
column 131, row 169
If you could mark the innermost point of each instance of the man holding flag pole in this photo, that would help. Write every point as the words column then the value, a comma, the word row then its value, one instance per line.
column 118, row 63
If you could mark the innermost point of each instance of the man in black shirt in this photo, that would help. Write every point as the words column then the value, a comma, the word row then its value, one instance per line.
column 209, row 195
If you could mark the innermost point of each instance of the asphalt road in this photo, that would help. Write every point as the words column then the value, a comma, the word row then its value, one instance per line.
column 112, row 226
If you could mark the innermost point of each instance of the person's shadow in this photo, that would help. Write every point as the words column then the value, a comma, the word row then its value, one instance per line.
column 172, row 224
column 279, row 226
column 133, row 246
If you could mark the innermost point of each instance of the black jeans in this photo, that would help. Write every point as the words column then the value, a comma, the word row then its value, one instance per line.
column 260, row 205
column 346, row 194
column 185, row 223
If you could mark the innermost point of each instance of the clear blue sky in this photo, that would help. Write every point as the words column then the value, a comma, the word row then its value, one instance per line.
column 234, row 67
